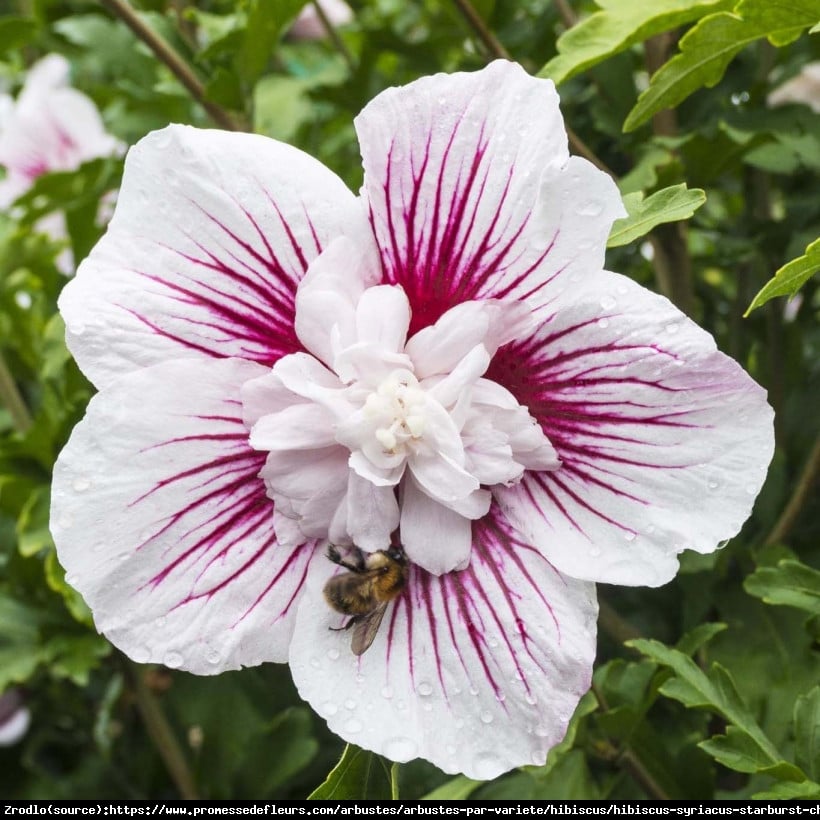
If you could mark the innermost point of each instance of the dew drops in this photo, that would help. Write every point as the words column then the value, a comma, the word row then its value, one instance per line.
column 650, row 529
column 81, row 484
column 428, row 707
column 213, row 656
column 595, row 552
column 359, row 678
column 500, row 697
column 538, row 758
column 333, row 654
column 603, row 322
column 141, row 655
column 622, row 289
column 387, row 692
column 487, row 766
column 315, row 663
column 542, row 731
column 592, row 207
column 353, row 726
column 329, row 708
column 473, row 691
column 71, row 579
column 630, row 536
column 751, row 489
column 608, row 302
column 425, row 689
column 672, row 328
column 350, row 704
column 713, row 485
column 401, row 705
column 486, row 717
column 451, row 750
column 77, row 328
column 400, row 749
column 530, row 698
column 173, row 660
column 65, row 521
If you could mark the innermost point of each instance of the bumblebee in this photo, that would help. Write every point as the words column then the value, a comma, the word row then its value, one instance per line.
column 372, row 580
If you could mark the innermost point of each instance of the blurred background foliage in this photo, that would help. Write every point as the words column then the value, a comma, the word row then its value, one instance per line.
column 706, row 687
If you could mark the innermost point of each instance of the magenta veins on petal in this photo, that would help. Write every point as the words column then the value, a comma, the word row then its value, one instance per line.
column 282, row 364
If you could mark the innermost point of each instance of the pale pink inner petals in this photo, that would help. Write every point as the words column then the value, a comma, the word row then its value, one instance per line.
column 213, row 262
column 183, row 568
column 477, row 671
column 663, row 441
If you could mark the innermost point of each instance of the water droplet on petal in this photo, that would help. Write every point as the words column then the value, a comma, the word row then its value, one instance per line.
column 329, row 708
column 488, row 766
column 173, row 660
column 314, row 662
column 333, row 654
column 451, row 750
column 66, row 520
column 400, row 748
column 603, row 322
column 608, row 302
column 213, row 656
column 71, row 579
column 751, row 489
column 486, row 717
column 530, row 698
column 425, row 689
column 140, row 655
column 630, row 536
column 595, row 552
column 592, row 207
column 673, row 328
column 387, row 692
column 353, row 726
column 713, row 485
column 350, row 704
column 401, row 705
column 542, row 731
column 81, row 484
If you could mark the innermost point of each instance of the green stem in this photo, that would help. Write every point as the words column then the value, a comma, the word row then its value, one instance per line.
column 629, row 761
column 166, row 54
column 394, row 781
column 801, row 495
column 162, row 735
column 335, row 38
column 12, row 400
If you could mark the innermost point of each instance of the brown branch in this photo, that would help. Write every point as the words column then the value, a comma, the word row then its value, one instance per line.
column 166, row 54
column 335, row 38
column 12, row 400
column 486, row 36
column 802, row 493
column 616, row 626
column 568, row 16
column 161, row 734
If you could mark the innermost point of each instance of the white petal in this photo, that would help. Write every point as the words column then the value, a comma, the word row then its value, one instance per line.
column 163, row 525
column 434, row 537
column 382, row 318
column 464, row 375
column 441, row 477
column 664, row 441
column 327, row 296
column 372, row 513
column 491, row 323
column 298, row 427
column 476, row 671
column 211, row 234
column 472, row 193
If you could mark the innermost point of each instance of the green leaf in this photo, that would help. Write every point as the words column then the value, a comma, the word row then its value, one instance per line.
column 16, row 32
column 667, row 205
column 359, row 775
column 807, row 732
column 790, row 278
column 789, row 790
column 790, row 583
column 698, row 637
column 737, row 751
column 620, row 24
column 266, row 22
column 707, row 49
column 717, row 693
column 459, row 788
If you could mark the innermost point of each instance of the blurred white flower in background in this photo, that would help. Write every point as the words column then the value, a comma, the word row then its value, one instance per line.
column 308, row 25
column 49, row 127
column 15, row 717
column 802, row 89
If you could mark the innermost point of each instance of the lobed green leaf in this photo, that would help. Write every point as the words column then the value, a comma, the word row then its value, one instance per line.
column 707, row 49
column 790, row 278
column 359, row 775
column 620, row 24
column 667, row 205
column 807, row 732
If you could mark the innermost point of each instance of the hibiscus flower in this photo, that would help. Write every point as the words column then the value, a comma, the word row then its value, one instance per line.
column 282, row 365
column 50, row 127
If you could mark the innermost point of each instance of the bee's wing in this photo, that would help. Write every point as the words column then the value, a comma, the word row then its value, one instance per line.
column 365, row 629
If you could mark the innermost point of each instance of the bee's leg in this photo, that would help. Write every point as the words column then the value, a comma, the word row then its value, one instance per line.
column 355, row 619
column 334, row 555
